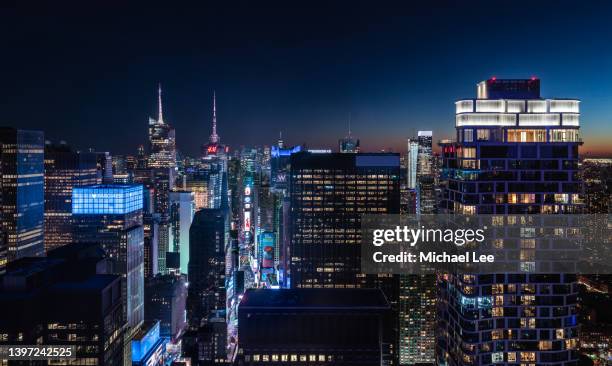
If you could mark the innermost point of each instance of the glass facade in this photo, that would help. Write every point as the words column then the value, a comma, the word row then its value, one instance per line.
column 21, row 194
column 107, row 199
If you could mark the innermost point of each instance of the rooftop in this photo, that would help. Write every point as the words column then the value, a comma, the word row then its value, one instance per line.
column 314, row 298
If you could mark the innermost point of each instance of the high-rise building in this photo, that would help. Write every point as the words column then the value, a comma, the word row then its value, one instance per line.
column 424, row 140
column 312, row 327
column 329, row 193
column 166, row 299
column 162, row 141
column 111, row 215
column 182, row 210
column 411, row 162
column 516, row 153
column 208, row 237
column 22, row 195
column 64, row 169
column 417, row 319
column 64, row 299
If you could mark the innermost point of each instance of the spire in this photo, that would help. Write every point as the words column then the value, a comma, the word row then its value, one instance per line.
column 214, row 138
column 349, row 124
column 160, row 117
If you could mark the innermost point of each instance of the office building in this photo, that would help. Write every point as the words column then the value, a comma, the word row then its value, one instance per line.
column 336, row 327
column 64, row 299
column 165, row 299
column 516, row 153
column 411, row 162
column 208, row 237
column 111, row 215
column 162, row 141
column 424, row 140
column 329, row 193
column 182, row 210
column 21, row 194
column 64, row 169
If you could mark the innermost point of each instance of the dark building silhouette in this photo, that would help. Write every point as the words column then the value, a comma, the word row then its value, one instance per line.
column 165, row 300
column 63, row 299
column 208, row 236
column 313, row 327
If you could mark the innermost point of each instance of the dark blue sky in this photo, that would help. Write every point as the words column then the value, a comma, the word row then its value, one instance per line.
column 88, row 73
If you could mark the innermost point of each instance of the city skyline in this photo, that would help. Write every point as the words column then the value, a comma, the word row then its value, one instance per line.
column 394, row 70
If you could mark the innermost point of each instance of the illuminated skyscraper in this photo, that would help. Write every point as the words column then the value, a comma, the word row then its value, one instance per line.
column 112, row 216
column 424, row 139
column 214, row 146
column 411, row 162
column 182, row 210
column 64, row 169
column 417, row 319
column 515, row 153
column 21, row 194
column 162, row 143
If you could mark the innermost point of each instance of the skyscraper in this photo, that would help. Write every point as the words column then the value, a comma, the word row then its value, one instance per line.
column 515, row 153
column 62, row 298
column 182, row 209
column 208, row 237
column 166, row 298
column 112, row 216
column 424, row 140
column 411, row 162
column 21, row 194
column 329, row 193
column 64, row 169
column 214, row 146
column 162, row 142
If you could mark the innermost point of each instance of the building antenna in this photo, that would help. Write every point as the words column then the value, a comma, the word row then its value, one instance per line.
column 160, row 116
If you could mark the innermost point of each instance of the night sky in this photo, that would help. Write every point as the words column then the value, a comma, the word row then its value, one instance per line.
column 88, row 73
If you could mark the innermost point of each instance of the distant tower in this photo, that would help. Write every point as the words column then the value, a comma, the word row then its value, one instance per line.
column 349, row 144
column 214, row 147
column 281, row 143
column 162, row 141
column 214, row 138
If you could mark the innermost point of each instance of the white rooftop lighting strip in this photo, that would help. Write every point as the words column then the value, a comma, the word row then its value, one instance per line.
column 516, row 106
column 543, row 119
column 571, row 119
column 464, row 106
column 536, row 106
column 485, row 119
column 492, row 105
column 564, row 106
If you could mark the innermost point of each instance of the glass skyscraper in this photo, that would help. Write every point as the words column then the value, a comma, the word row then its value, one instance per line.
column 516, row 153
column 112, row 216
column 21, row 194
column 64, row 169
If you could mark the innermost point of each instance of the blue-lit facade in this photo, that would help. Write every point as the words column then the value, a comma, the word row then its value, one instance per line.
column 515, row 153
column 21, row 194
column 107, row 199
column 112, row 216
column 148, row 348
